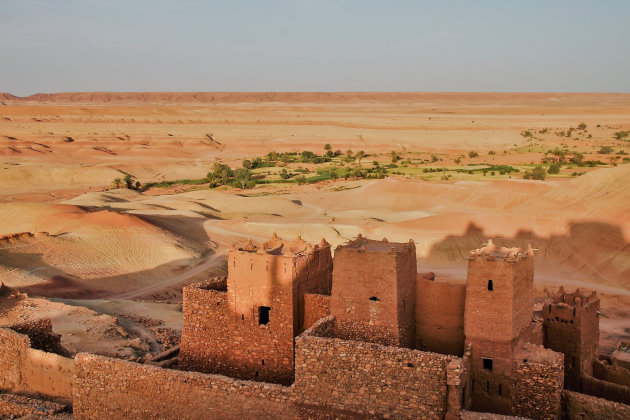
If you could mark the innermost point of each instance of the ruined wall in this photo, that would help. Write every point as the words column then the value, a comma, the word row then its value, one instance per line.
column 538, row 382
column 41, row 336
column 117, row 389
column 368, row 378
column 27, row 370
column 315, row 307
column 611, row 373
column 571, row 326
column 440, row 316
column 602, row 389
column 373, row 293
column 585, row 407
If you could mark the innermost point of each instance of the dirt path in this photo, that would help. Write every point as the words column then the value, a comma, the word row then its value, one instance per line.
column 213, row 261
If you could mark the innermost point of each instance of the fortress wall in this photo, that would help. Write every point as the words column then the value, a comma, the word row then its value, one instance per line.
column 117, row 389
column 607, row 390
column 586, row 407
column 611, row 373
column 315, row 307
column 28, row 370
column 440, row 316
column 204, row 322
column 368, row 378
column 12, row 347
column 538, row 383
column 47, row 374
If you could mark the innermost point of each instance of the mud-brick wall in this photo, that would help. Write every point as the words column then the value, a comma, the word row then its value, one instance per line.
column 537, row 392
column 585, row 407
column 117, row 389
column 440, row 316
column 367, row 378
column 27, row 370
column 603, row 389
column 315, row 307
column 12, row 346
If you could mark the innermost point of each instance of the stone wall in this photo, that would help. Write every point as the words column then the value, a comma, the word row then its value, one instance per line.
column 12, row 346
column 41, row 336
column 440, row 316
column 538, row 381
column 585, row 407
column 367, row 378
column 31, row 371
column 116, row 389
column 316, row 307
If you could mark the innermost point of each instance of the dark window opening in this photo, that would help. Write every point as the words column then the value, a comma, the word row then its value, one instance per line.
column 409, row 364
column 490, row 285
column 374, row 299
column 487, row 363
column 263, row 315
column 463, row 403
column 242, row 317
column 256, row 376
column 499, row 389
column 263, row 362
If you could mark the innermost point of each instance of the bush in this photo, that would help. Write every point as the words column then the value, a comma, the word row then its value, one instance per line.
column 473, row 154
column 537, row 173
column 621, row 135
column 581, row 126
column 605, row 150
column 554, row 168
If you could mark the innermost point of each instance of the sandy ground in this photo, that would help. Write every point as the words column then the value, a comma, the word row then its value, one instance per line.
column 81, row 250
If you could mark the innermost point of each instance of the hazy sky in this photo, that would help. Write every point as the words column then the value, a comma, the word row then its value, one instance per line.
column 311, row 45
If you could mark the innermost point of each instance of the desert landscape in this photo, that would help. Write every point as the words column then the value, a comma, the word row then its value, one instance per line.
column 112, row 203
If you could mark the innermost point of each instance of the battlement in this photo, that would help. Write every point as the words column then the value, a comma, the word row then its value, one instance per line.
column 361, row 244
column 281, row 247
column 492, row 252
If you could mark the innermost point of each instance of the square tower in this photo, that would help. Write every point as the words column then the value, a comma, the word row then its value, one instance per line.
column 497, row 320
column 374, row 292
column 248, row 331
column 571, row 326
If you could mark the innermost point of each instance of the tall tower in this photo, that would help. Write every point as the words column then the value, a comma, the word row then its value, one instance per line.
column 497, row 320
column 571, row 326
column 247, row 330
column 374, row 291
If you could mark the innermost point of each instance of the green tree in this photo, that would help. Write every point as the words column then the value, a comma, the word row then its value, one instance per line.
column 247, row 164
column 117, row 183
column 554, row 168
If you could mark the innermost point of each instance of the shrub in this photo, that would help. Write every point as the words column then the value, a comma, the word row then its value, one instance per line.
column 605, row 150
column 473, row 154
column 554, row 168
column 581, row 126
column 621, row 135
column 537, row 173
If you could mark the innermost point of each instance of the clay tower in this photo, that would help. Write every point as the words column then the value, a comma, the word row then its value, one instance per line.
column 497, row 320
column 374, row 291
column 248, row 332
column 571, row 326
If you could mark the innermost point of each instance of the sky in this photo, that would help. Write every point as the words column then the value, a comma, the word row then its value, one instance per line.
column 314, row 45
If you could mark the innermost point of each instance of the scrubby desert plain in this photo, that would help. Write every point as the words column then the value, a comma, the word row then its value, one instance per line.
column 107, row 263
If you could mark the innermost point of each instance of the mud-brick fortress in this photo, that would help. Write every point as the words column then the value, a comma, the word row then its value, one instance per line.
column 292, row 332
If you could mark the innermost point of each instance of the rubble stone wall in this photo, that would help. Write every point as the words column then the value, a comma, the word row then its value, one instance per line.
column 12, row 346
column 586, row 407
column 117, row 389
column 367, row 378
column 538, row 384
